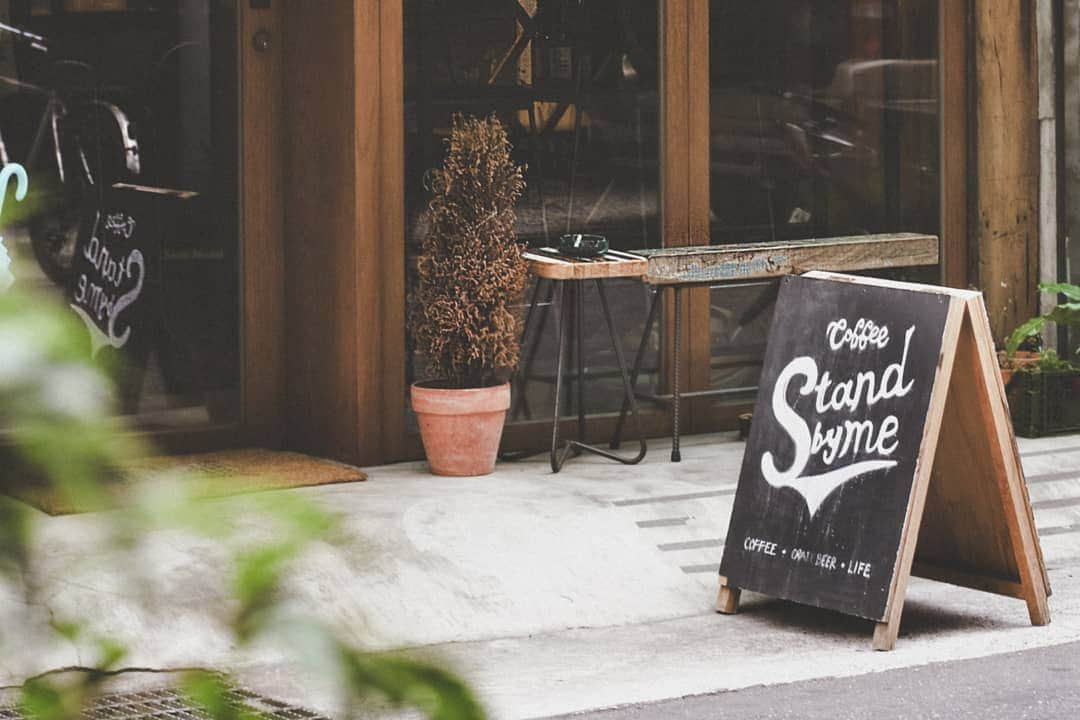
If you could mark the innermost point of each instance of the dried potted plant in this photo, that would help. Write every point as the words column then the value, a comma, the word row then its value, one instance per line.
column 1042, row 387
column 470, row 272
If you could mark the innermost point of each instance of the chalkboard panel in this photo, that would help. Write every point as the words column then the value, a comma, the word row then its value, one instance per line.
column 829, row 467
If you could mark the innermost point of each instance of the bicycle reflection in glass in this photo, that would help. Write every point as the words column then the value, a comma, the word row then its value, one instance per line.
column 81, row 143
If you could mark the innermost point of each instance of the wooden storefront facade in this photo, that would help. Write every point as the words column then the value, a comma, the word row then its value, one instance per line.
column 324, row 136
column 342, row 339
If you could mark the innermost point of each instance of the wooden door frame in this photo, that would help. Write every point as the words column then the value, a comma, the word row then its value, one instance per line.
column 384, row 376
column 953, row 31
column 262, row 225
column 261, row 237
column 684, row 188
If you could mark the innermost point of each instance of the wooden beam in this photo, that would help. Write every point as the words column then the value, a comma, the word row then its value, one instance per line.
column 262, row 223
column 953, row 52
column 675, row 163
column 698, row 318
column 381, row 397
column 1005, row 185
column 750, row 261
column 321, row 218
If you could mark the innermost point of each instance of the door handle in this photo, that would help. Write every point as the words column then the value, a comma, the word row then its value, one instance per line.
column 261, row 40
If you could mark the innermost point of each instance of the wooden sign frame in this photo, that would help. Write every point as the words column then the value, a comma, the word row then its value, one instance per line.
column 968, row 459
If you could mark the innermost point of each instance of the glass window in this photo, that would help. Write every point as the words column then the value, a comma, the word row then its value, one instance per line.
column 124, row 115
column 577, row 85
column 824, row 122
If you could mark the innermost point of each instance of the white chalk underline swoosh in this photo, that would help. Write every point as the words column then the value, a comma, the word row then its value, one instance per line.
column 815, row 488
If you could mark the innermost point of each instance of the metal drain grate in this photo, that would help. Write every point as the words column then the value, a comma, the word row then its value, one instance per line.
column 171, row 705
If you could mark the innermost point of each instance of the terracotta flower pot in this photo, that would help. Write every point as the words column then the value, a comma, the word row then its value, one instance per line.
column 1021, row 359
column 461, row 429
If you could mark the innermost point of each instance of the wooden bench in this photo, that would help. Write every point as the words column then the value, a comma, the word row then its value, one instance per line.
column 687, row 267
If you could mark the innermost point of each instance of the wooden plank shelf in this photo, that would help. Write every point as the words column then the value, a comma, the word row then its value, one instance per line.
column 751, row 261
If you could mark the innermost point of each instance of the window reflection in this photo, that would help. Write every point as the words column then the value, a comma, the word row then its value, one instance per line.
column 824, row 118
column 824, row 122
column 124, row 114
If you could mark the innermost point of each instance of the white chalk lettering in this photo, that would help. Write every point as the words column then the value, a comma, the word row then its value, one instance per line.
column 865, row 445
column 95, row 298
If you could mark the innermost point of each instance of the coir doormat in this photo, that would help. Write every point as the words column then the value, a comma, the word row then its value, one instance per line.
column 217, row 474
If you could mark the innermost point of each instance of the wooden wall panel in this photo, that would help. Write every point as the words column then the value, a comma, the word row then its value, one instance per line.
column 953, row 52
column 675, row 163
column 261, row 227
column 381, row 235
column 320, row 222
column 1005, row 181
column 699, row 309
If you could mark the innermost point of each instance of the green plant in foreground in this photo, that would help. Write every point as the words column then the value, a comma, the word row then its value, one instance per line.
column 53, row 406
column 1050, row 361
column 1067, row 313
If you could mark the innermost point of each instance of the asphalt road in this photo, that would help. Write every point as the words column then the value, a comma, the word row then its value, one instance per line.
column 1043, row 683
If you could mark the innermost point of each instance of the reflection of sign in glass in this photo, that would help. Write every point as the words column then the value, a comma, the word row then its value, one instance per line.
column 10, row 172
column 110, row 280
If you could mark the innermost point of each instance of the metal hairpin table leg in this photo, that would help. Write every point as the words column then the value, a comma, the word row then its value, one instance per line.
column 579, row 353
column 676, row 456
column 557, row 457
column 535, row 306
column 635, row 371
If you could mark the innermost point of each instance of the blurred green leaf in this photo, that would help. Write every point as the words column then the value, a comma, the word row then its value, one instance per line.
column 55, row 406
column 410, row 683
column 1065, row 314
column 42, row 700
column 1067, row 289
column 214, row 695
column 16, row 530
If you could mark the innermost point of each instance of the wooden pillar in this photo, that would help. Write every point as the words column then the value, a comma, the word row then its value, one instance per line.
column 321, row 216
column 1004, row 234
column 344, row 246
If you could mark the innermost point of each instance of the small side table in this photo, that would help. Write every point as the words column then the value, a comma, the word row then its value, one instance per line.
column 568, row 276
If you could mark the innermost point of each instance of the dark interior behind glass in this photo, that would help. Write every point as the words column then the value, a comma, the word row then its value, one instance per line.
column 124, row 113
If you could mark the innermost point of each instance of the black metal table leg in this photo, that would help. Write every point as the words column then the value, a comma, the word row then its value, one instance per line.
column 557, row 457
column 520, row 402
column 654, row 305
column 676, row 456
column 579, row 353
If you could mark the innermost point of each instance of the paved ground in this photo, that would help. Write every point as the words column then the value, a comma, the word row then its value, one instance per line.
column 1039, row 684
column 551, row 593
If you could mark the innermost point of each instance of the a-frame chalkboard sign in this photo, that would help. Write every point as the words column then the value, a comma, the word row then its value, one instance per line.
column 881, row 447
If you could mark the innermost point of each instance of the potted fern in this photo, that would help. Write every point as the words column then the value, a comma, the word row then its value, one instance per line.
column 470, row 273
column 1043, row 388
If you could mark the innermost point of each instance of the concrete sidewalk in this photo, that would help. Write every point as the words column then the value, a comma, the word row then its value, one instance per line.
column 552, row 593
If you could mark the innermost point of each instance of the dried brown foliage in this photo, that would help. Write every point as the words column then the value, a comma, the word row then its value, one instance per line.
column 470, row 268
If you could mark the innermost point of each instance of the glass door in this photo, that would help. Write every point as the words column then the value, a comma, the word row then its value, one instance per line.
column 126, row 115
